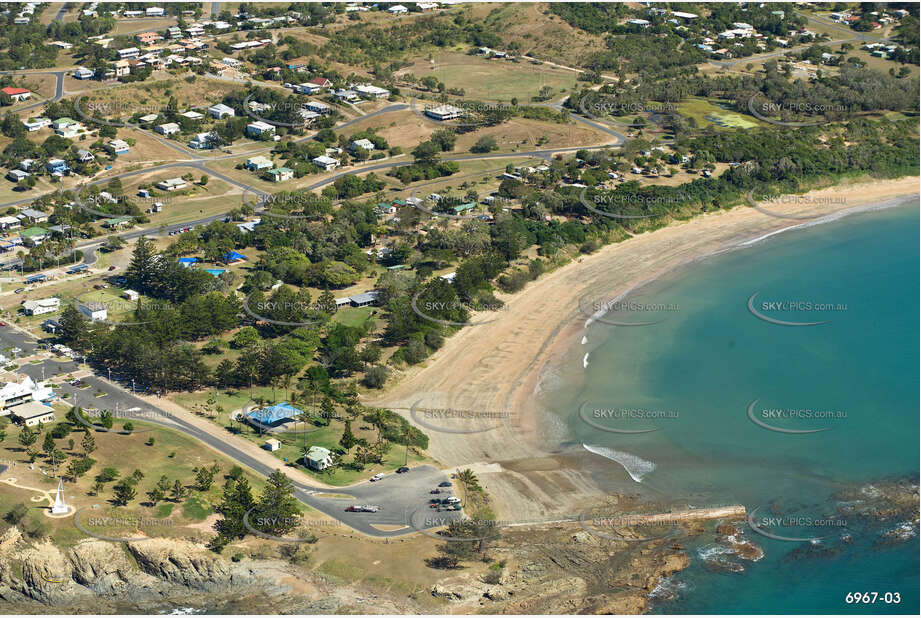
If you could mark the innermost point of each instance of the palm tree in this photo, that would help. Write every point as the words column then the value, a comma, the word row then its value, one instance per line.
column 467, row 479
column 378, row 420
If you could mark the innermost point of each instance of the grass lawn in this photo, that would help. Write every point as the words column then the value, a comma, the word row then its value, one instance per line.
column 700, row 109
column 352, row 316
column 172, row 454
column 493, row 80
column 294, row 441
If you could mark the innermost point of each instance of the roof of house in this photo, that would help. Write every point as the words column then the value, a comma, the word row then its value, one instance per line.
column 275, row 413
column 12, row 91
column 317, row 453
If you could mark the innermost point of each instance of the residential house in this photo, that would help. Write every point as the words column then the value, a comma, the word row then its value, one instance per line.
column 57, row 166
column 364, row 299
column 17, row 175
column 281, row 174
column 96, row 312
column 306, row 88
column 346, row 95
column 41, row 306
column 146, row 38
column 398, row 9
column 258, row 163
column 85, row 156
column 34, row 216
column 192, row 115
column 167, row 129
column 258, row 128
column 149, row 118
column 372, row 92
column 318, row 458
column 122, row 68
column 201, row 141
column 8, row 222
column 444, row 112
column 119, row 146
column 34, row 124
column 17, row 94
column 363, row 143
column 128, row 53
column 220, row 110
column 117, row 222
column 171, row 184
column 322, row 82
column 155, row 11
column 326, row 163
column 317, row 107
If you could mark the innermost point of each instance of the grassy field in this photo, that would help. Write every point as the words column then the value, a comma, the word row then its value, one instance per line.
column 700, row 109
column 493, row 80
column 172, row 454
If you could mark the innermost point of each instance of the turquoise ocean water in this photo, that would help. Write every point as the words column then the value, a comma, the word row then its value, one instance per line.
column 708, row 364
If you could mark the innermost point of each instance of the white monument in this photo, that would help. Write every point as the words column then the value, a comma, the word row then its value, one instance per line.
column 59, row 507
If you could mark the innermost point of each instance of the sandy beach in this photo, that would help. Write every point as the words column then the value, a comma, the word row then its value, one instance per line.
column 485, row 375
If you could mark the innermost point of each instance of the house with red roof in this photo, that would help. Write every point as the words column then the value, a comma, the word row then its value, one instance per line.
column 17, row 94
column 322, row 82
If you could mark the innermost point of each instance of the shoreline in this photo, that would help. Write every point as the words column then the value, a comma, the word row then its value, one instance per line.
column 502, row 364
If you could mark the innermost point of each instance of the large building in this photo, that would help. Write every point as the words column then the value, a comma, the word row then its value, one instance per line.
column 23, row 391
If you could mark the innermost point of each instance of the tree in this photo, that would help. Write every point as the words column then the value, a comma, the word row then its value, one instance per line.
column 204, row 180
column 75, row 328
column 177, row 492
column 124, row 492
column 88, row 443
column 468, row 480
column 27, row 436
column 48, row 445
column 426, row 153
column 204, row 477
column 142, row 272
column 237, row 501
column 347, row 441
column 487, row 143
column 278, row 510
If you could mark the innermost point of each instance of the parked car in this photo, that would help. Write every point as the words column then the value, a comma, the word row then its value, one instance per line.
column 435, row 491
column 444, row 484
column 111, row 268
column 19, row 290
column 402, row 469
column 377, row 477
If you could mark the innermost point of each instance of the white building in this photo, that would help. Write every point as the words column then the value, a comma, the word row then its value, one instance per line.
column 364, row 144
column 23, row 391
column 220, row 111
column 255, row 129
column 96, row 312
column 372, row 92
column 326, row 163
column 167, row 129
column 171, row 184
column 41, row 306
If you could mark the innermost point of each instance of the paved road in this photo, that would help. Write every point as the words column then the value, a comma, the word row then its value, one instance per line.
column 398, row 495
column 61, row 13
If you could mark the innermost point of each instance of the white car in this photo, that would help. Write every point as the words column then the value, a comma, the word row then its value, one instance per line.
column 377, row 477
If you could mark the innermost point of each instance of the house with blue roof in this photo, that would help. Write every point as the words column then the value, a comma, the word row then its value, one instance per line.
column 273, row 416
